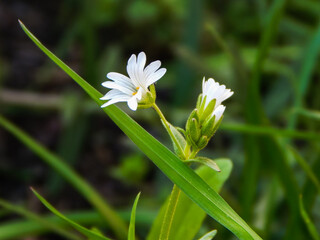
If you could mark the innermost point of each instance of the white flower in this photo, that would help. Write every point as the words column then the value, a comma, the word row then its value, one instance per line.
column 132, row 89
column 218, row 111
column 213, row 90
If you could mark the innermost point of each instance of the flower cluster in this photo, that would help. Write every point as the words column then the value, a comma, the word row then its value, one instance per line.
column 139, row 92
column 134, row 89
column 205, row 119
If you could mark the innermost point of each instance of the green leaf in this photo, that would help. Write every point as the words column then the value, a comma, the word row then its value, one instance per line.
column 205, row 161
column 189, row 216
column 185, row 178
column 132, row 234
column 93, row 235
column 311, row 227
column 208, row 236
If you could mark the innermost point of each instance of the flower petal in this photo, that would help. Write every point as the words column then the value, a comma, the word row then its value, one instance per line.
column 151, row 68
column 132, row 103
column 152, row 78
column 115, row 100
column 121, row 80
column 112, row 85
column 118, row 77
column 114, row 93
column 218, row 112
column 132, row 62
column 141, row 61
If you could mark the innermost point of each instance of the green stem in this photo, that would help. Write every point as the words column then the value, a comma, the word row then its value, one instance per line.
column 169, row 214
column 166, row 123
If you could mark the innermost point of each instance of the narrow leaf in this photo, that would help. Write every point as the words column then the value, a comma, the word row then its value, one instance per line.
column 189, row 216
column 32, row 216
column 205, row 161
column 311, row 227
column 208, row 236
column 88, row 233
column 132, row 234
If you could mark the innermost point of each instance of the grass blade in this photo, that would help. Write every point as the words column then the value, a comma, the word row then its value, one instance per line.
column 209, row 236
column 309, row 62
column 88, row 233
column 306, row 168
column 132, row 234
column 187, row 180
column 311, row 227
column 36, row 218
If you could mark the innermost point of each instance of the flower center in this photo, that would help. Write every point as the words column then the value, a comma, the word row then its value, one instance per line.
column 137, row 88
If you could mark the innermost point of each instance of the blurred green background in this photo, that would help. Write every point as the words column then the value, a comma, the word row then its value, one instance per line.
column 267, row 52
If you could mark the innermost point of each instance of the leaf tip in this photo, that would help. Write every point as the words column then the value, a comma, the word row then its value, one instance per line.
column 21, row 24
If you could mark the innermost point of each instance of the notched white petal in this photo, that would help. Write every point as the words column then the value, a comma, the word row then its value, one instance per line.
column 156, row 76
column 133, row 104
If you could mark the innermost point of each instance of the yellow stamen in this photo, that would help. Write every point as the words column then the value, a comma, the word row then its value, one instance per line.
column 137, row 88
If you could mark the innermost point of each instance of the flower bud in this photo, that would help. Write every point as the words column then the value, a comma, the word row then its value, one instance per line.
column 208, row 126
column 203, row 141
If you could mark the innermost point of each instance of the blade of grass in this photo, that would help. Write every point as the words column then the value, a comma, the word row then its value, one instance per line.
column 72, row 177
column 36, row 218
column 271, row 131
column 192, row 29
column 310, row 191
column 311, row 227
column 309, row 113
column 209, row 236
column 253, row 108
column 306, row 168
column 88, row 233
column 187, row 180
column 17, row 229
column 132, row 225
column 254, row 111
column 308, row 61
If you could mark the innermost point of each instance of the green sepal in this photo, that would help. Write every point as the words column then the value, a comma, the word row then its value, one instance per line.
column 202, row 105
column 149, row 99
column 208, row 110
column 180, row 139
column 208, row 126
column 194, row 130
column 203, row 141
column 209, row 235
column 181, row 130
column 205, row 161
column 199, row 101
column 216, row 126
column 193, row 114
column 191, row 142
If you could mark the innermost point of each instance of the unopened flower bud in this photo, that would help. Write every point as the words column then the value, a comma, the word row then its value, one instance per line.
column 203, row 141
